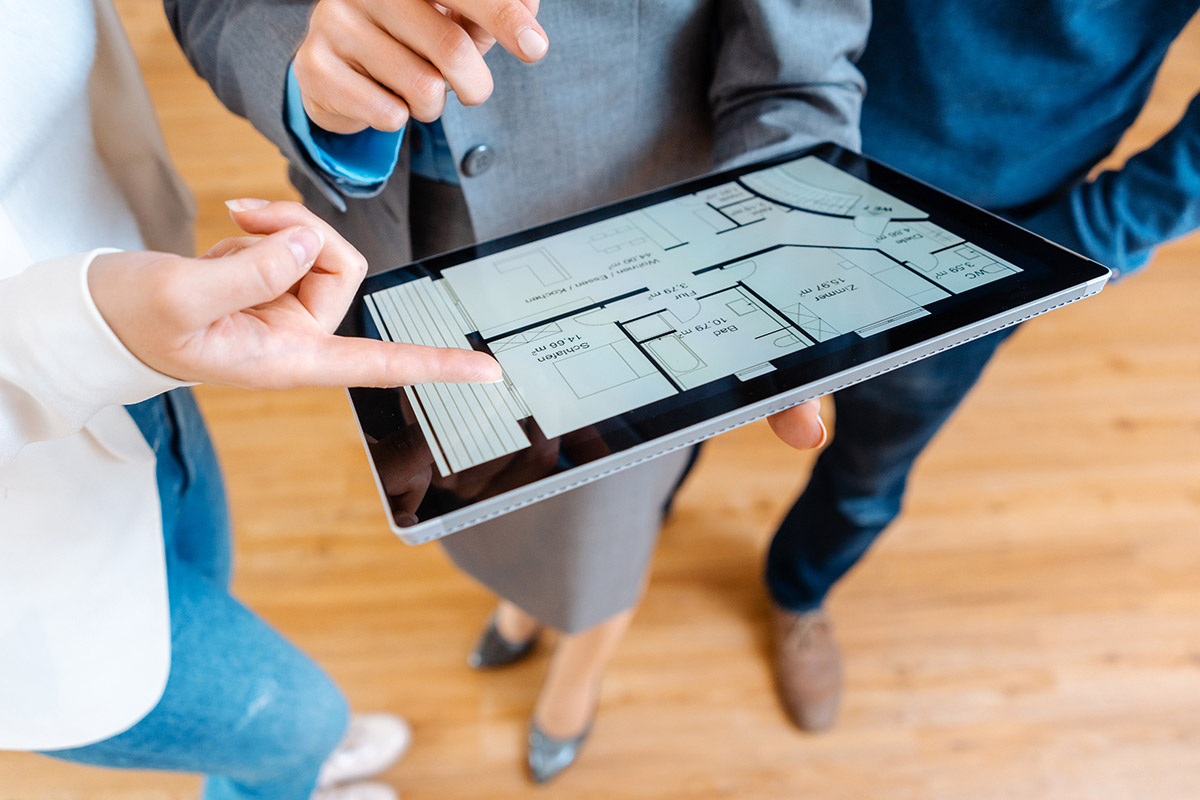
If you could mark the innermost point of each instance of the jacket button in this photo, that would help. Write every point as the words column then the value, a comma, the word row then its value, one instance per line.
column 478, row 160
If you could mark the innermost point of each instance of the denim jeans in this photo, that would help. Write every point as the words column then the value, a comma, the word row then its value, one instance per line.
column 858, row 482
column 242, row 705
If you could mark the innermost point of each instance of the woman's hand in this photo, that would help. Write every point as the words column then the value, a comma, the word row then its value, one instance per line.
column 260, row 312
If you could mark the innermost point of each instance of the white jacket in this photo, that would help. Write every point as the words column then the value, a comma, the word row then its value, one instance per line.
column 84, row 624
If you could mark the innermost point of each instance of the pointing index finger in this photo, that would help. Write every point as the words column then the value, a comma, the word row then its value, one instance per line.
column 351, row 361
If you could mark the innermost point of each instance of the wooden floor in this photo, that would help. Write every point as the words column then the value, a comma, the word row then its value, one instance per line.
column 1030, row 629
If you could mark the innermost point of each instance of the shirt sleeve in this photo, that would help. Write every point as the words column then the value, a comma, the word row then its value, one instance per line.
column 785, row 76
column 61, row 363
column 1121, row 216
column 357, row 163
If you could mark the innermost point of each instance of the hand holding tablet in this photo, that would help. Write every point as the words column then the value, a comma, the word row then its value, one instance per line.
column 641, row 327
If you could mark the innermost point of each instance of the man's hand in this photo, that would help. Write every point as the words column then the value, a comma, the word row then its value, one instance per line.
column 260, row 312
column 800, row 426
column 374, row 63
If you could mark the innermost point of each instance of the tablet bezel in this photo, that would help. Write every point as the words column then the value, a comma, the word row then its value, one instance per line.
column 1051, row 276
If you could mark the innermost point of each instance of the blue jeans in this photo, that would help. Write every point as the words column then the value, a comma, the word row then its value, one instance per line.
column 242, row 705
column 858, row 482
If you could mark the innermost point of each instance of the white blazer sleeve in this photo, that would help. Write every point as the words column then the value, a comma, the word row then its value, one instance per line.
column 60, row 363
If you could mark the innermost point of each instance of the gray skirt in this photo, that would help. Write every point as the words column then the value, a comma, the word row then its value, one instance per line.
column 578, row 558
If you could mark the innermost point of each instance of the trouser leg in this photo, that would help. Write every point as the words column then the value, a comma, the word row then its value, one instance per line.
column 241, row 705
column 858, row 482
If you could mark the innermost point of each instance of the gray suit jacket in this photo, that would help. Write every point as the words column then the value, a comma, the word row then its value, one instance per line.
column 631, row 96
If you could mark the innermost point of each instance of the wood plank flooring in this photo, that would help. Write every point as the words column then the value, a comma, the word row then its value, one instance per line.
column 1029, row 629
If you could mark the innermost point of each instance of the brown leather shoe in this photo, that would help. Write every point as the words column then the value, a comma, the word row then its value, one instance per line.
column 807, row 666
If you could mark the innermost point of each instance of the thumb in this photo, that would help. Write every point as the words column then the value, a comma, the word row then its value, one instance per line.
column 256, row 274
column 800, row 426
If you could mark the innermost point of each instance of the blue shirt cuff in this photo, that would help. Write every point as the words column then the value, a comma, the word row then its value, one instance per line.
column 358, row 163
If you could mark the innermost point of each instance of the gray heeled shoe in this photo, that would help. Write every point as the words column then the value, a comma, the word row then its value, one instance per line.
column 493, row 650
column 548, row 756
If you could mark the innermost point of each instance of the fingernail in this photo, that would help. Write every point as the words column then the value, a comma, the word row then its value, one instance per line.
column 245, row 204
column 488, row 369
column 406, row 520
column 305, row 244
column 532, row 43
column 493, row 374
column 824, row 433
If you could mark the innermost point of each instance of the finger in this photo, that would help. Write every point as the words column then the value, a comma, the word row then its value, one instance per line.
column 512, row 22
column 340, row 99
column 209, row 289
column 800, row 426
column 228, row 246
column 404, row 73
column 327, row 289
column 483, row 40
column 404, row 504
column 443, row 43
column 265, row 218
column 404, row 462
column 350, row 361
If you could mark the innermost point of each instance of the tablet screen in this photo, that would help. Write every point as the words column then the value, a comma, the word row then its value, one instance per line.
column 630, row 322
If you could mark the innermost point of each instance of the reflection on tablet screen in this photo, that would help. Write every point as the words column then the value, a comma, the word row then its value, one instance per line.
column 726, row 282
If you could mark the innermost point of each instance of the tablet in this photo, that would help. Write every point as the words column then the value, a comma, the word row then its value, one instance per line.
column 629, row 331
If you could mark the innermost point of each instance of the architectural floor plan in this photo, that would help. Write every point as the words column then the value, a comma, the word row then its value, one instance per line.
column 602, row 319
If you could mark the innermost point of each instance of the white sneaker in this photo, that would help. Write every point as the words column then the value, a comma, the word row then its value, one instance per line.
column 357, row 791
column 373, row 742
